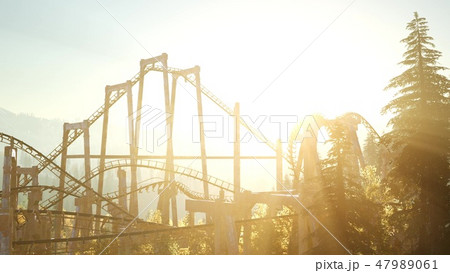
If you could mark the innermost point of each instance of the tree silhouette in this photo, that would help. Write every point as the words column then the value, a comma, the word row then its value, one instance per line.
column 342, row 203
column 420, row 142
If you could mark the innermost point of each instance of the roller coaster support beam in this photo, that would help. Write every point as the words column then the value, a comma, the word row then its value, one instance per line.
column 122, row 175
column 279, row 160
column 9, row 200
column 60, row 205
column 83, row 126
column 225, row 235
column 169, row 153
column 86, row 203
column 108, row 93
column 35, row 196
column 301, row 240
column 168, row 195
column 308, row 158
column 196, row 72
column 237, row 152
column 134, row 205
column 35, row 227
column 143, row 65
column 303, row 237
column 119, row 225
column 202, row 130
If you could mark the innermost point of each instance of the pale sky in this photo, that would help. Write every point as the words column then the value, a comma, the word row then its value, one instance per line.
column 57, row 56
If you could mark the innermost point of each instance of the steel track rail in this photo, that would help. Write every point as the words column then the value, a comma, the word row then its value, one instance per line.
column 55, row 169
column 142, row 163
column 146, row 232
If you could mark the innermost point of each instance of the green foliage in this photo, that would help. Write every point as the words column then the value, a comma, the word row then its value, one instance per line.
column 346, row 201
column 154, row 216
column 269, row 235
column 420, row 142
column 380, row 195
column 374, row 153
column 182, row 241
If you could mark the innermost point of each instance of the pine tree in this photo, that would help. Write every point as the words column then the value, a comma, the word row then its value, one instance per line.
column 370, row 150
column 420, row 142
column 342, row 204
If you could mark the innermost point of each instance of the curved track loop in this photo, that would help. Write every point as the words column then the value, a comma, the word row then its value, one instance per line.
column 85, row 215
column 73, row 135
column 361, row 120
column 145, row 233
column 42, row 188
column 77, row 187
column 70, row 181
column 350, row 117
column 142, row 163
column 115, row 195
column 159, row 185
column 191, row 79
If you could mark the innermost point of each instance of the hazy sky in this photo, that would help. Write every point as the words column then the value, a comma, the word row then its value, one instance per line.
column 57, row 56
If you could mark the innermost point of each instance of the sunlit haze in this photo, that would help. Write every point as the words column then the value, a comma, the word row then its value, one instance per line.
column 326, row 63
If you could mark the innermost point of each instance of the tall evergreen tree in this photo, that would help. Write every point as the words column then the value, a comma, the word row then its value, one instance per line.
column 341, row 203
column 420, row 142
column 371, row 150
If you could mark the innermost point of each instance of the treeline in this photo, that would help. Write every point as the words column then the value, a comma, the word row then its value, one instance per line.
column 398, row 204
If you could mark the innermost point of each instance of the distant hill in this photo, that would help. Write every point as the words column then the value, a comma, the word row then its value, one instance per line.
column 42, row 134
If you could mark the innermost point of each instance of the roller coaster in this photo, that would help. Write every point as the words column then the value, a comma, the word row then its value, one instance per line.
column 117, row 226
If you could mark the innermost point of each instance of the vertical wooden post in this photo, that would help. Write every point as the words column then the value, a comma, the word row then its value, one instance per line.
column 202, row 136
column 164, row 199
column 7, row 208
column 191, row 218
column 13, row 201
column 142, row 71
column 279, row 156
column 103, row 149
column 87, row 204
column 62, row 177
column 294, row 242
column 134, row 205
column 13, row 197
column 34, row 229
column 247, row 230
column 225, row 235
column 122, row 175
column 137, row 127
column 63, row 167
column 172, row 98
column 87, row 163
column 35, row 196
column 202, row 131
column 237, row 152
column 173, row 202
column 173, row 199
